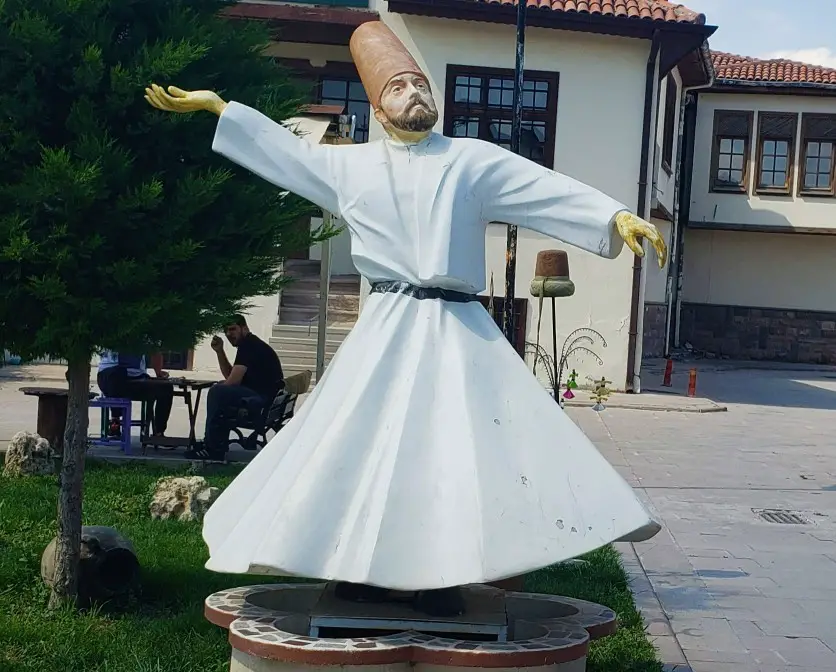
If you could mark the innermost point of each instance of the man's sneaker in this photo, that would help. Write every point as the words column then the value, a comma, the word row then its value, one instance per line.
column 201, row 452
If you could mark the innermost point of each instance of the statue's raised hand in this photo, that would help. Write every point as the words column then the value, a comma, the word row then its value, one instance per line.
column 632, row 229
column 177, row 100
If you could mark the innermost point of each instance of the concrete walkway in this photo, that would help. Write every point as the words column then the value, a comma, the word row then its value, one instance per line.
column 722, row 589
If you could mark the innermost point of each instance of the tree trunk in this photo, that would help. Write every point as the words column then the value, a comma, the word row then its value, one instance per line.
column 68, row 548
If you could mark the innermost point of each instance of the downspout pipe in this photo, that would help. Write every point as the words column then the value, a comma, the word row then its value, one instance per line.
column 633, row 383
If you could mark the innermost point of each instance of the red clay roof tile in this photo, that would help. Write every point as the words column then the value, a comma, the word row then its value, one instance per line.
column 650, row 10
column 774, row 70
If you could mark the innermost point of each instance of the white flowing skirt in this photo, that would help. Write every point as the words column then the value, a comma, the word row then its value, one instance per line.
column 428, row 456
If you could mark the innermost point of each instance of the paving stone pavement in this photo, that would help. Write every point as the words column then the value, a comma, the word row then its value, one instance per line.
column 722, row 589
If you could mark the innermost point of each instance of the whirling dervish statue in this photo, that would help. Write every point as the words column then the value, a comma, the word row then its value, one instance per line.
column 428, row 456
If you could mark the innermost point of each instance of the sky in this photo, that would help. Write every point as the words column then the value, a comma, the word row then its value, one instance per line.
column 801, row 30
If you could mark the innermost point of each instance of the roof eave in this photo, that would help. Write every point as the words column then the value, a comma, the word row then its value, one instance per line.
column 549, row 18
column 725, row 85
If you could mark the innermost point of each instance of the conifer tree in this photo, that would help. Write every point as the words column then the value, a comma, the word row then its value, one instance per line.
column 119, row 228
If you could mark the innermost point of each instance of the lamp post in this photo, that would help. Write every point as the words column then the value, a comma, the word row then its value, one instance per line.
column 508, row 326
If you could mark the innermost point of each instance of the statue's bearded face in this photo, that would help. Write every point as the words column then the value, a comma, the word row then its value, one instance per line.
column 407, row 104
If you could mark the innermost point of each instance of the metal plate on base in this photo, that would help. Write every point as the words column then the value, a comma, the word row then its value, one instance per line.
column 484, row 616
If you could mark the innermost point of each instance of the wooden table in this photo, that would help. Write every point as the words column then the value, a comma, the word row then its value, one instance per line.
column 183, row 387
column 52, row 413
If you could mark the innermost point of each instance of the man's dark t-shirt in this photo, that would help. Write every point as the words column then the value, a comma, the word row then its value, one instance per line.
column 264, row 370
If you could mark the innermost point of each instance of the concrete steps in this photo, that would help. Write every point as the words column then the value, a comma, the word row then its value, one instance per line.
column 294, row 337
column 296, row 345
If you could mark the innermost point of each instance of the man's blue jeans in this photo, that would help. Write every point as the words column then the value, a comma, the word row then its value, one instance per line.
column 219, row 399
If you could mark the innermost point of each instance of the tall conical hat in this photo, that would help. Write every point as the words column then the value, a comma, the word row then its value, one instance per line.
column 379, row 56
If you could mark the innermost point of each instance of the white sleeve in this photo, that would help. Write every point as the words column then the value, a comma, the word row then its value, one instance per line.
column 528, row 195
column 268, row 149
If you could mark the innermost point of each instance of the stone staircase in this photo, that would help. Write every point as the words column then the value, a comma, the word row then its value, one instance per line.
column 295, row 335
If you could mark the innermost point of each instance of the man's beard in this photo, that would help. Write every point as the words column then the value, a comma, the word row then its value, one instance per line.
column 423, row 119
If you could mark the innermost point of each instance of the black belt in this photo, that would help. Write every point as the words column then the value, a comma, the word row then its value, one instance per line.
column 416, row 292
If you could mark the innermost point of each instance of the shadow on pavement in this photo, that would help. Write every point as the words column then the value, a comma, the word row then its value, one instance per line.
column 750, row 383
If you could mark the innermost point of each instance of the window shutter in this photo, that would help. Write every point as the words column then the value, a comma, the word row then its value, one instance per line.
column 733, row 124
column 777, row 125
column 820, row 128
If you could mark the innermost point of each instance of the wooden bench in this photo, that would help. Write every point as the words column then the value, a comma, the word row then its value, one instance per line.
column 52, row 413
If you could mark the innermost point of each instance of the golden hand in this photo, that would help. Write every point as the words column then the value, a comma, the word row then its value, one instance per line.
column 177, row 100
column 632, row 228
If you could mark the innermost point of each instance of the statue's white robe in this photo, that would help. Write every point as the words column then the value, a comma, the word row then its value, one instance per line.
column 428, row 455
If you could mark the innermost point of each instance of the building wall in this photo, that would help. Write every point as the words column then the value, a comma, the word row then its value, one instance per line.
column 664, row 183
column 755, row 210
column 760, row 295
column 655, row 295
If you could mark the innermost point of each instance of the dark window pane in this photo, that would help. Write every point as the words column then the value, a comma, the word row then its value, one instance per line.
column 334, row 88
column 356, row 91
column 466, row 127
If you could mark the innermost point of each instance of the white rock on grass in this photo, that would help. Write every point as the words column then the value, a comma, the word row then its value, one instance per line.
column 183, row 498
column 28, row 454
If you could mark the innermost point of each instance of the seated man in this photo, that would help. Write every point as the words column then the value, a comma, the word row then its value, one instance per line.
column 121, row 375
column 255, row 376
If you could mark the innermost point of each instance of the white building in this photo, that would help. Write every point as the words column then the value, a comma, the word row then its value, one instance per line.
column 758, row 215
column 623, row 96
column 592, row 112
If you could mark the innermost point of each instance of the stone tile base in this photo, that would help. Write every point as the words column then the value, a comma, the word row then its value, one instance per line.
column 268, row 624
column 773, row 334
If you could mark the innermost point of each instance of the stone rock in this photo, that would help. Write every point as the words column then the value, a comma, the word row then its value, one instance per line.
column 108, row 566
column 183, row 498
column 28, row 454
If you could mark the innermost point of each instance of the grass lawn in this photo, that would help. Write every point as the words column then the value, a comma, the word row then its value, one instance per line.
column 162, row 629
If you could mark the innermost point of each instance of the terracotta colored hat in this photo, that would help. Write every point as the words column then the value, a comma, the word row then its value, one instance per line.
column 379, row 56
column 551, row 275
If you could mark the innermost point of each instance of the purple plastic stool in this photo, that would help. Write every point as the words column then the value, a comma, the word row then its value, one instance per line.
column 106, row 403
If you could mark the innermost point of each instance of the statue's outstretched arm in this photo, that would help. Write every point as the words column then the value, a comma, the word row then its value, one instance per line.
column 259, row 144
column 178, row 100
column 518, row 191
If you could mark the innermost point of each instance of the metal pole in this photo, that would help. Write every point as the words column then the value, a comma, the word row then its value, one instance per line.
column 508, row 326
column 324, row 288
column 557, row 363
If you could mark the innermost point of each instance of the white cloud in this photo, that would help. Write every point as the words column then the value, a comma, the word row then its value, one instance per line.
column 816, row 56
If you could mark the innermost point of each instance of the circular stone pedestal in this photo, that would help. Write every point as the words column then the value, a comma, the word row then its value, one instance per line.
column 271, row 627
